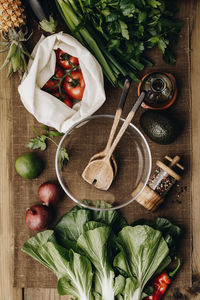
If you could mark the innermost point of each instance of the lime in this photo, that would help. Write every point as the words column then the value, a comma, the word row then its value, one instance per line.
column 29, row 165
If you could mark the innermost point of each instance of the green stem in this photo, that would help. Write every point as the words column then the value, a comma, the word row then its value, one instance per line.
column 38, row 133
column 50, row 139
column 62, row 9
column 34, row 130
column 173, row 273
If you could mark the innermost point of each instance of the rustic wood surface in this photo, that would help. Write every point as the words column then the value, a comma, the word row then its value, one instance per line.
column 188, row 8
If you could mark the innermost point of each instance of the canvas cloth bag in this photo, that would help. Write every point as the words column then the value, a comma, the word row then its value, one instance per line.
column 46, row 108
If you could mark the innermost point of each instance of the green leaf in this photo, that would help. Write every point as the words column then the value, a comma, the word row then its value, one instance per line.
column 144, row 250
column 164, row 265
column 63, row 157
column 124, row 29
column 170, row 232
column 73, row 270
column 78, row 277
column 113, row 28
column 127, row 7
column 92, row 225
column 98, row 203
column 131, row 288
column 38, row 142
column 34, row 248
column 142, row 16
column 94, row 245
column 166, row 227
column 49, row 25
column 70, row 226
column 169, row 57
column 46, row 128
column 111, row 17
column 121, row 264
column 119, row 284
column 154, row 3
column 113, row 44
column 110, row 217
column 148, row 290
column 162, row 44
column 154, row 39
column 54, row 133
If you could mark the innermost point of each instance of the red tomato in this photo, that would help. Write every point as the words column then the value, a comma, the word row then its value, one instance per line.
column 53, row 83
column 57, row 95
column 74, row 86
column 65, row 60
column 64, row 97
column 59, row 72
column 68, row 102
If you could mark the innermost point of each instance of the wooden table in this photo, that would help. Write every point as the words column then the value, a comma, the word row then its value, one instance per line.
column 190, row 9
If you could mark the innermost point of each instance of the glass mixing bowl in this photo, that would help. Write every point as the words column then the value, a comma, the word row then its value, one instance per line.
column 132, row 155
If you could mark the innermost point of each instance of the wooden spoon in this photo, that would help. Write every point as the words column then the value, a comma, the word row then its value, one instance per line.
column 100, row 172
column 102, row 154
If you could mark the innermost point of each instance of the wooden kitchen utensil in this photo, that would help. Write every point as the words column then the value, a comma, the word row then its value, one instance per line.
column 117, row 117
column 99, row 172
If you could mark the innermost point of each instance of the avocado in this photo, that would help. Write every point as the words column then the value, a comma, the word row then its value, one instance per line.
column 159, row 127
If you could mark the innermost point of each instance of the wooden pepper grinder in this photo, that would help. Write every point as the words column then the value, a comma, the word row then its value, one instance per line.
column 160, row 182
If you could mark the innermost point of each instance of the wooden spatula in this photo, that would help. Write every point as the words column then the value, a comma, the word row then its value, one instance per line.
column 100, row 172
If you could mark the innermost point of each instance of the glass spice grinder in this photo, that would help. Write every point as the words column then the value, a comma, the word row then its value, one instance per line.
column 160, row 182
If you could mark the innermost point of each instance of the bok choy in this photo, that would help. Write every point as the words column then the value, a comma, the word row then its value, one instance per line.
column 97, row 256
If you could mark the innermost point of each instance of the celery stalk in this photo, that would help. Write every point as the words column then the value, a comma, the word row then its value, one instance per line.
column 72, row 20
column 68, row 21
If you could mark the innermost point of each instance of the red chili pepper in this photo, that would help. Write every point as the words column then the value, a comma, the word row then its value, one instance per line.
column 161, row 283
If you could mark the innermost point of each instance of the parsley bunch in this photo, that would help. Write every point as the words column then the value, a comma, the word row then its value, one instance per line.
column 120, row 32
column 40, row 142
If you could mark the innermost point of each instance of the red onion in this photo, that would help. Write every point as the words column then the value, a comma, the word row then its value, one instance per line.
column 38, row 217
column 49, row 193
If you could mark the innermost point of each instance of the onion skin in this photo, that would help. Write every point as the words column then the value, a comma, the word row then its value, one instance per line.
column 38, row 217
column 49, row 193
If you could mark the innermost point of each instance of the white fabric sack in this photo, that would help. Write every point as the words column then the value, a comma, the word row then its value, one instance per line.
column 46, row 108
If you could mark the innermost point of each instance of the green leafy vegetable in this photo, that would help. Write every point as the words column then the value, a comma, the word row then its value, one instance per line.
column 94, row 245
column 96, row 256
column 120, row 32
column 71, row 225
column 144, row 249
column 74, row 271
column 170, row 232
column 40, row 142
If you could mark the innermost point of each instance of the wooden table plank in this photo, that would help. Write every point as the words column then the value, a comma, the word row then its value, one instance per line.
column 43, row 294
column 195, row 79
column 6, row 207
column 191, row 8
